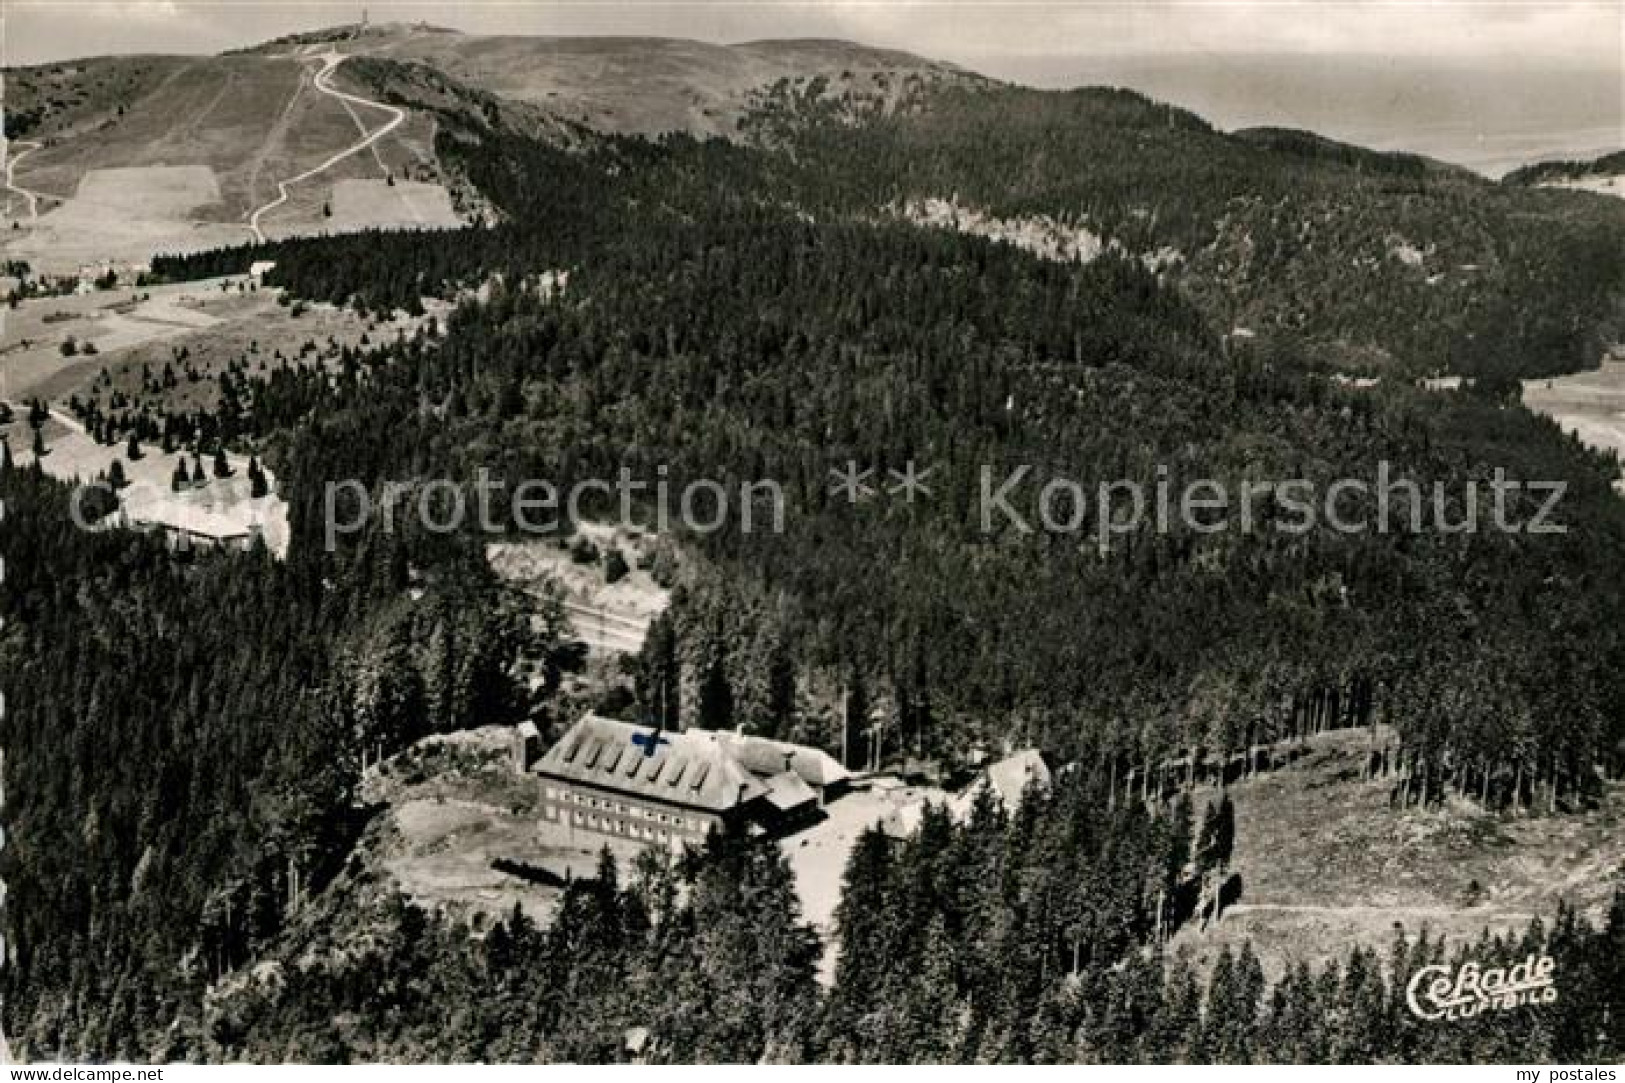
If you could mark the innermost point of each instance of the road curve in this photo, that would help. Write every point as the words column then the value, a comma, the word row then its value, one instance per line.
column 330, row 63
column 11, row 166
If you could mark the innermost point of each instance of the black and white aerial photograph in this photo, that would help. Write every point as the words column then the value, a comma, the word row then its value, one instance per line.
column 812, row 532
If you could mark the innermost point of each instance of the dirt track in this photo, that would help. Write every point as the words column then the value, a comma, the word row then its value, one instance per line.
column 330, row 63
column 11, row 181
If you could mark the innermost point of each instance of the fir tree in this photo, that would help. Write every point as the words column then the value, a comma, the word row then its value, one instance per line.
column 257, row 486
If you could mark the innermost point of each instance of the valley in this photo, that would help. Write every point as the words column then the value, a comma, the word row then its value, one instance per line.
column 392, row 792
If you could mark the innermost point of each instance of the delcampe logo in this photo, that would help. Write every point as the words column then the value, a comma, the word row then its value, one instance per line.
column 1433, row 994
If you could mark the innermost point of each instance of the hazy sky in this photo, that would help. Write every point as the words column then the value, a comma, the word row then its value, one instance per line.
column 995, row 33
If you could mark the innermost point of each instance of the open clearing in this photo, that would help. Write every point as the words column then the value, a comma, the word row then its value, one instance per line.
column 31, row 335
column 453, row 804
column 647, row 85
column 1589, row 404
column 217, row 321
column 375, row 204
column 223, row 506
column 120, row 176
column 146, row 191
column 369, row 137
column 124, row 216
column 608, row 617
column 1607, row 185
column 1325, row 864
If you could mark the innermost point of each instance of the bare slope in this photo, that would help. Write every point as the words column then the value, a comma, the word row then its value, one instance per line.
column 240, row 123
column 652, row 85
column 1323, row 862
column 101, row 144
column 247, row 118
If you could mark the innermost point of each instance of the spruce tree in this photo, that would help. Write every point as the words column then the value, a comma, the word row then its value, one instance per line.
column 868, row 951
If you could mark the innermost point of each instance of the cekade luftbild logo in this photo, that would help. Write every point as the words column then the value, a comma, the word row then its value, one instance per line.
column 1433, row 994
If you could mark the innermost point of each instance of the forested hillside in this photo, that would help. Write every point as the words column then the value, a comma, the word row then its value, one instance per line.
column 725, row 338
column 1028, row 939
column 1432, row 269
column 183, row 737
column 1568, row 170
column 182, row 741
column 1371, row 263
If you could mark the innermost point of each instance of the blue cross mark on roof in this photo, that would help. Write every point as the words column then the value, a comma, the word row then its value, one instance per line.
column 649, row 742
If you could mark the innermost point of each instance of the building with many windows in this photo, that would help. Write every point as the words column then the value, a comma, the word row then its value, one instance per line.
column 614, row 778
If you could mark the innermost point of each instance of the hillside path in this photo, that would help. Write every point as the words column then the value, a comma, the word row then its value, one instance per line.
column 330, row 63
column 1363, row 911
column 11, row 166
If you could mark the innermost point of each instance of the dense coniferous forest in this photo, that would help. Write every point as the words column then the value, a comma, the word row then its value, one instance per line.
column 1025, row 938
column 182, row 745
column 183, row 738
column 738, row 342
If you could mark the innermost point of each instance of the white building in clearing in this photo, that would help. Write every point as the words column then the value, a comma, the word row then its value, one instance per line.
column 668, row 787
column 1007, row 781
column 218, row 517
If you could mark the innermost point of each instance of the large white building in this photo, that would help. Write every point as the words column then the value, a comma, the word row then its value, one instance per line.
column 621, row 780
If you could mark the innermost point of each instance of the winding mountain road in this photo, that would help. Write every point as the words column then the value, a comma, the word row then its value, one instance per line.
column 330, row 63
column 11, row 167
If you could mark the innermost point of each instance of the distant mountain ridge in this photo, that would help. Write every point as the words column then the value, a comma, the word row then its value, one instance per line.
column 1385, row 262
column 1316, row 147
column 647, row 86
column 1566, row 170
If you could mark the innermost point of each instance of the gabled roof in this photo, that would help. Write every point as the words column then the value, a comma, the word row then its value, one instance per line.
column 762, row 756
column 1009, row 777
column 683, row 768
